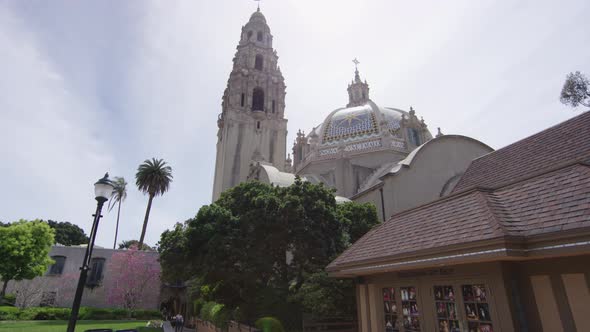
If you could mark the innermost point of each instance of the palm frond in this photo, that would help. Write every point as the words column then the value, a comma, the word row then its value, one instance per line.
column 153, row 177
column 119, row 191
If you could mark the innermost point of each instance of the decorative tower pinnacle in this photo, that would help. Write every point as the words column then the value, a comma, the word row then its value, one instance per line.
column 358, row 92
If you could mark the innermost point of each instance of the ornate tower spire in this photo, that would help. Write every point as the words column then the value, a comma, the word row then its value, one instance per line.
column 251, row 124
column 358, row 91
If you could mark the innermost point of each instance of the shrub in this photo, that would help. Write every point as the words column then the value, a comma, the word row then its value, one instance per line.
column 197, row 305
column 9, row 313
column 45, row 314
column 8, row 300
column 269, row 324
column 155, row 323
column 220, row 316
column 215, row 313
column 87, row 313
column 206, row 311
column 146, row 314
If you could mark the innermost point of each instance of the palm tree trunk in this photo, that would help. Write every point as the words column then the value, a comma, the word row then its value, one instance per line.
column 117, row 227
column 145, row 221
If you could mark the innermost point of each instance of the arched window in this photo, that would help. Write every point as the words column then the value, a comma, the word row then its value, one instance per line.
column 95, row 274
column 258, row 62
column 257, row 124
column 414, row 136
column 58, row 267
column 249, row 35
column 273, row 106
column 242, row 100
column 258, row 100
column 259, row 36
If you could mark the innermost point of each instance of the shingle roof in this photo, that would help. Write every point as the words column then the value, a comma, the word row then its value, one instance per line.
column 562, row 143
column 552, row 201
column 559, row 200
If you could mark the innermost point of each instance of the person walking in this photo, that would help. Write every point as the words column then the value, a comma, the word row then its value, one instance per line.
column 178, row 323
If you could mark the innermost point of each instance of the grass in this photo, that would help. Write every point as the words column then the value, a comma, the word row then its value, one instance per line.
column 61, row 325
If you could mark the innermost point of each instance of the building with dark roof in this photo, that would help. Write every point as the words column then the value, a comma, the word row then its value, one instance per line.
column 507, row 250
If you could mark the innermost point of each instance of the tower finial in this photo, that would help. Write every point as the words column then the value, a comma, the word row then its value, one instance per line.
column 357, row 78
column 258, row 7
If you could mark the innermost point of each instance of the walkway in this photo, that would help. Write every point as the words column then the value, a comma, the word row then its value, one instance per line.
column 168, row 328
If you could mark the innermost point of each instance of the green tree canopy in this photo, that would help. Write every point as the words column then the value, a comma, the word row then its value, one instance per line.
column 24, row 248
column 256, row 246
column 576, row 90
column 67, row 233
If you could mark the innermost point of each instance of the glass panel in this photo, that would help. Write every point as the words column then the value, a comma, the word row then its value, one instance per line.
column 446, row 309
column 477, row 309
column 410, row 310
column 390, row 308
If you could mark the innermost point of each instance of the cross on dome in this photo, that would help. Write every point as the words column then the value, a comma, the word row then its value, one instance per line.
column 258, row 4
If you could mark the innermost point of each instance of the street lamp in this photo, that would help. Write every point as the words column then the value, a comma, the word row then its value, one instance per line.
column 103, row 189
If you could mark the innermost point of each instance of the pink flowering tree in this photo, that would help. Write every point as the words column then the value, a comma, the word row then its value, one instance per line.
column 135, row 278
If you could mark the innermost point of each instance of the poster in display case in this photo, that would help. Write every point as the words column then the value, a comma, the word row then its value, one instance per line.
column 477, row 308
column 410, row 309
column 446, row 309
column 390, row 310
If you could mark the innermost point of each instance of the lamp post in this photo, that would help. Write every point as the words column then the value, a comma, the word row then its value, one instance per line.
column 103, row 189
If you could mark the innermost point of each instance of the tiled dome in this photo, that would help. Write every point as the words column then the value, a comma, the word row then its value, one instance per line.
column 359, row 123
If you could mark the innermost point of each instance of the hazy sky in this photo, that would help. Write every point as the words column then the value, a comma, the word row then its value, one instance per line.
column 93, row 86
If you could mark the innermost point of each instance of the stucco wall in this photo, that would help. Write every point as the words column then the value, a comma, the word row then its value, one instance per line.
column 436, row 163
column 65, row 284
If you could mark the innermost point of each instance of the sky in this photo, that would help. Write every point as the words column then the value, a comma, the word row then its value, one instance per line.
column 88, row 87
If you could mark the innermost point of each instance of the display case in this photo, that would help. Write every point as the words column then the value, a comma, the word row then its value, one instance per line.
column 477, row 308
column 447, row 317
column 410, row 310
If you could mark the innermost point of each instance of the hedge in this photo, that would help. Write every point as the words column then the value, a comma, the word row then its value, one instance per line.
column 269, row 324
column 215, row 313
column 86, row 313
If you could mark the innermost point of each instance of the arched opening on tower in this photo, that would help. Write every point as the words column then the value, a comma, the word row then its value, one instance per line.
column 258, row 100
column 249, row 35
column 259, row 36
column 258, row 62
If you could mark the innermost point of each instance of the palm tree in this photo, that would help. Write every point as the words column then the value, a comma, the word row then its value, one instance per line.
column 119, row 195
column 153, row 178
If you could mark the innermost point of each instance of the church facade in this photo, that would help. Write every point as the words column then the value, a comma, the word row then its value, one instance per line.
column 364, row 151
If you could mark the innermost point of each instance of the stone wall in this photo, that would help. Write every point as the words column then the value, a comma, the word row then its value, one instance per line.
column 203, row 326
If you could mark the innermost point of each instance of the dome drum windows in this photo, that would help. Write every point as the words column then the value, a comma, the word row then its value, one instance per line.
column 259, row 36
column 258, row 100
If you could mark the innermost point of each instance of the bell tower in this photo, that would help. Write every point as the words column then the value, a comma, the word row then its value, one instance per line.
column 252, row 126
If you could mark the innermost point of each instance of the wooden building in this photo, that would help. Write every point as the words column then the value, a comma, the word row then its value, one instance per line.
column 507, row 250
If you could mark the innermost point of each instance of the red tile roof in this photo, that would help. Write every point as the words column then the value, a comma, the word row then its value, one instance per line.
column 562, row 143
column 555, row 200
